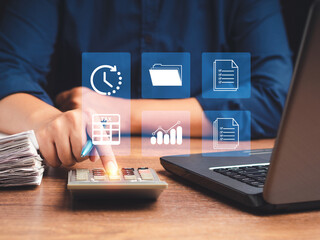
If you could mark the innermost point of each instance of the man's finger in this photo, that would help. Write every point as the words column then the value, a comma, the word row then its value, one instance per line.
column 76, row 145
column 107, row 158
column 94, row 155
column 105, row 151
column 64, row 152
column 49, row 153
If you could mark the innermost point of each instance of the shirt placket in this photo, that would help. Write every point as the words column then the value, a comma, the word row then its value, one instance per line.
column 149, row 14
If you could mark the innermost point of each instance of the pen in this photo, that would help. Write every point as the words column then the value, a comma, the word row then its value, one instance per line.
column 87, row 148
column 89, row 145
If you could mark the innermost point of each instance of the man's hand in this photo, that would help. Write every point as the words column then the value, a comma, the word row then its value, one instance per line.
column 61, row 138
column 86, row 99
column 60, row 134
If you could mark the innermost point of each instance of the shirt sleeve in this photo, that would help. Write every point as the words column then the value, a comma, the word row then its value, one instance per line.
column 28, row 33
column 258, row 28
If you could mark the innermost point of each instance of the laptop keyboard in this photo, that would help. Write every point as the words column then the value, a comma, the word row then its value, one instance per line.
column 253, row 175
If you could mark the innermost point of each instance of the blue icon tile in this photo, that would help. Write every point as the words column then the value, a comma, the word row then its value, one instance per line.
column 108, row 76
column 226, row 75
column 107, row 73
column 165, row 75
column 228, row 132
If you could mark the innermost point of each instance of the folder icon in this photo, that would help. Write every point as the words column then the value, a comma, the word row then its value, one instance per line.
column 166, row 75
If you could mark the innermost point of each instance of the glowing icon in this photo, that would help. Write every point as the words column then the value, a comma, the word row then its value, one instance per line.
column 172, row 136
column 166, row 75
column 225, row 75
column 105, row 129
column 225, row 133
column 111, row 86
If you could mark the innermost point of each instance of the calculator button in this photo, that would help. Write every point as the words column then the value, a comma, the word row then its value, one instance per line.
column 127, row 169
column 145, row 174
column 114, row 177
column 129, row 177
column 82, row 174
column 101, row 178
column 128, row 173
column 98, row 174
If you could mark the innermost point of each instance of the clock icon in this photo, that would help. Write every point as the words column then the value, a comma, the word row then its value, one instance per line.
column 110, row 87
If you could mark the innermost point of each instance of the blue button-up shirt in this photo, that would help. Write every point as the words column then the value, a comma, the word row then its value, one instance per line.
column 41, row 42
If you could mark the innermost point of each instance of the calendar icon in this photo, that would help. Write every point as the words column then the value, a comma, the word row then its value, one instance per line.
column 106, row 129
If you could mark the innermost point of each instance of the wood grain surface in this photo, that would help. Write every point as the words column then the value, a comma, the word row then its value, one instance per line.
column 183, row 211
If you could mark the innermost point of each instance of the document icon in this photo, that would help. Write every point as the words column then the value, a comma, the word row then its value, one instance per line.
column 225, row 133
column 166, row 75
column 225, row 75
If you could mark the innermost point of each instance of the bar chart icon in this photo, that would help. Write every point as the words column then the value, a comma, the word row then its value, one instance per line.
column 171, row 136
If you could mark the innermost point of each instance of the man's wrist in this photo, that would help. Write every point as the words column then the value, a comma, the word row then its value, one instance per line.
column 42, row 116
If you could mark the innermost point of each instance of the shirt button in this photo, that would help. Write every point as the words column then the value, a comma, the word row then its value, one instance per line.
column 148, row 39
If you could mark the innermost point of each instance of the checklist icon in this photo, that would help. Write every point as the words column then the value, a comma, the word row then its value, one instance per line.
column 225, row 133
column 225, row 75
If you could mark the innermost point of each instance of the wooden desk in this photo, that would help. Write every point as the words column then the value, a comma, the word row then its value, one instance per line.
column 181, row 212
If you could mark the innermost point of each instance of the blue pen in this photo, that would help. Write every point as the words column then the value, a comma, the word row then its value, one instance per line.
column 89, row 145
column 87, row 148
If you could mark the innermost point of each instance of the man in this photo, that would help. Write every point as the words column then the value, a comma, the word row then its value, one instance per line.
column 47, row 36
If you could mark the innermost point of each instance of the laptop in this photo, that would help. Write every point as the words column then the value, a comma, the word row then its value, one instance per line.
column 284, row 178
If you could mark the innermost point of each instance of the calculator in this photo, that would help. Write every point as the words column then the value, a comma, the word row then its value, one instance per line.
column 140, row 182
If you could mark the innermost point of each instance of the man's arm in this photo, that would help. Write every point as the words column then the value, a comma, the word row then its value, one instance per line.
column 74, row 99
column 23, row 112
column 28, row 32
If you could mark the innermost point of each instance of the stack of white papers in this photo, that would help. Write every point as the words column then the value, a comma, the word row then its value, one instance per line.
column 20, row 162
